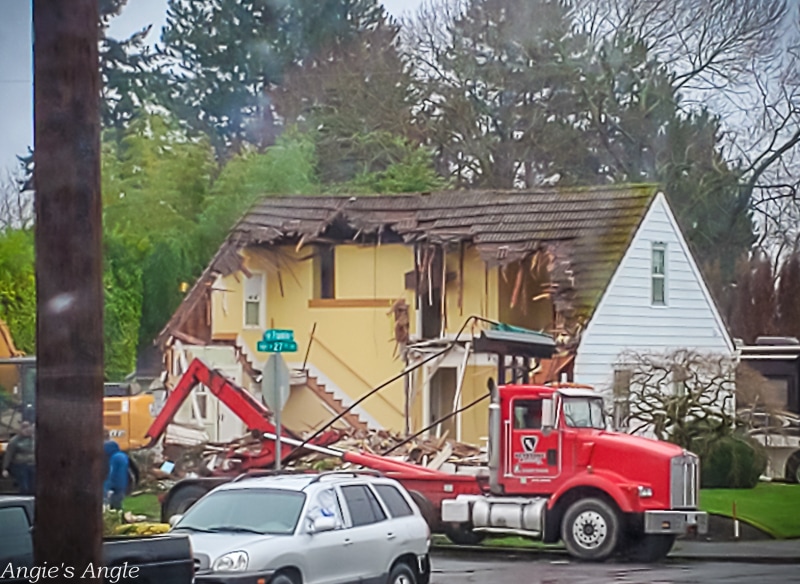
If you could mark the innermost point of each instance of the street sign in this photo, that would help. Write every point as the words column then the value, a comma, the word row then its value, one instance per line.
column 276, row 346
column 277, row 341
column 275, row 391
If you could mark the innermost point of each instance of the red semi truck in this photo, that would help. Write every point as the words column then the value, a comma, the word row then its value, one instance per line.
column 554, row 473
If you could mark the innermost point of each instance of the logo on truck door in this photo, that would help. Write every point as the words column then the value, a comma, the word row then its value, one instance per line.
column 529, row 453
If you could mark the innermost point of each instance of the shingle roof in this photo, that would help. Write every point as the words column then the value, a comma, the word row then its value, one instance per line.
column 589, row 228
column 585, row 231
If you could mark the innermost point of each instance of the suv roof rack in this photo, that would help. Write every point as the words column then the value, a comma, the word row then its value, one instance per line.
column 270, row 473
column 354, row 472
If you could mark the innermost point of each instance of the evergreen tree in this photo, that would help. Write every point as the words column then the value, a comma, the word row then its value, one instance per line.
column 128, row 69
column 229, row 53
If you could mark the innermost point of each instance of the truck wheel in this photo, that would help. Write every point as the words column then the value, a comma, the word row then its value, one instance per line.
column 590, row 529
column 181, row 500
column 649, row 548
column 427, row 509
column 461, row 534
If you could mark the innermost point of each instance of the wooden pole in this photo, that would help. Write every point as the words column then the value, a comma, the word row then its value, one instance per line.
column 69, row 418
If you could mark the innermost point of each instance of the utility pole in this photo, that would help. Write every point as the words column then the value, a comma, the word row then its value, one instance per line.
column 68, row 528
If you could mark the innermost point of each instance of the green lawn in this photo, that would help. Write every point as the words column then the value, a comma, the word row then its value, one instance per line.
column 145, row 504
column 772, row 507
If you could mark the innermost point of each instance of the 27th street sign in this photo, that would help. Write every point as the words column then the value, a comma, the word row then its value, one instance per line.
column 277, row 341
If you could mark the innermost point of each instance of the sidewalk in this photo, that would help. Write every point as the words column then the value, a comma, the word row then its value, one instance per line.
column 755, row 552
column 765, row 551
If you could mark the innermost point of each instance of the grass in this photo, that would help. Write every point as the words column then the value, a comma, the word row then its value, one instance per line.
column 145, row 504
column 772, row 507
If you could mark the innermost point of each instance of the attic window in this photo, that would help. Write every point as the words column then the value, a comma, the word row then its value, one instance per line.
column 658, row 275
column 324, row 272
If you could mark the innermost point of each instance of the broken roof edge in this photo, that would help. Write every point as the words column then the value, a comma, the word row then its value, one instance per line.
column 228, row 250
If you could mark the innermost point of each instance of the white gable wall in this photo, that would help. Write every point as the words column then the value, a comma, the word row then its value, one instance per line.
column 625, row 318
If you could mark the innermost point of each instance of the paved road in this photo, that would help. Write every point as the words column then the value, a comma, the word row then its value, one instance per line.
column 452, row 570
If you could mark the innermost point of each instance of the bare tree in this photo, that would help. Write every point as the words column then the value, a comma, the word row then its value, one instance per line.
column 739, row 58
column 681, row 396
column 16, row 203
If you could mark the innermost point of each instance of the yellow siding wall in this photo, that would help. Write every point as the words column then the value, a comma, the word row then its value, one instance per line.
column 480, row 289
column 354, row 345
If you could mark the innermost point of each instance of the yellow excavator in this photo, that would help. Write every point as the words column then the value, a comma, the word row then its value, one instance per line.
column 127, row 414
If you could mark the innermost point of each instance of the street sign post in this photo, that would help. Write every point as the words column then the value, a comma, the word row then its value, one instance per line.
column 275, row 377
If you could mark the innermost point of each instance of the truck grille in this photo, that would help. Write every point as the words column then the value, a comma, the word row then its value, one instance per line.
column 684, row 481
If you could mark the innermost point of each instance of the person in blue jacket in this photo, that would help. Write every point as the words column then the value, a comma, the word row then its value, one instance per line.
column 116, row 483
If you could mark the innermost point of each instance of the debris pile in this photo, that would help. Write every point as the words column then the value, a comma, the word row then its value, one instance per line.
column 438, row 453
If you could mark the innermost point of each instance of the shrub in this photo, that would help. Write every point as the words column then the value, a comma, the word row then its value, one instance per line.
column 732, row 462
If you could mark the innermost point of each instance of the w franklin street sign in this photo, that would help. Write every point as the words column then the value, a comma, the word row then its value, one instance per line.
column 277, row 341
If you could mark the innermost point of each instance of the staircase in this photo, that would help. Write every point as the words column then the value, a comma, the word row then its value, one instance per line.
column 335, row 404
column 252, row 367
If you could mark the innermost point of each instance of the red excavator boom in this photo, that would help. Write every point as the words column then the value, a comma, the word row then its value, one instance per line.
column 254, row 414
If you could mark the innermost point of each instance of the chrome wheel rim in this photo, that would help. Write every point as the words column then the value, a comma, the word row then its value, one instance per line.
column 589, row 529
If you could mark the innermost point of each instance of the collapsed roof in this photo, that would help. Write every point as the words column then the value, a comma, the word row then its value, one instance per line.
column 584, row 232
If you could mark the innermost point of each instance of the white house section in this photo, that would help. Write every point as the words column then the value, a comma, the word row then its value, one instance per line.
column 656, row 301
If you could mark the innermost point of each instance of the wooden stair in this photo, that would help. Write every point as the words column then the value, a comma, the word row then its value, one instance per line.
column 351, row 418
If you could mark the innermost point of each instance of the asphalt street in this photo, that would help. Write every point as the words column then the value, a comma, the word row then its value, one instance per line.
column 495, row 570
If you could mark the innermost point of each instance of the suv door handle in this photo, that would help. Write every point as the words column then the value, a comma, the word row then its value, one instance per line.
column 390, row 535
column 347, row 541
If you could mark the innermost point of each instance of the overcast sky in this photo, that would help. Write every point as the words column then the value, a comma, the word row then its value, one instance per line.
column 16, row 63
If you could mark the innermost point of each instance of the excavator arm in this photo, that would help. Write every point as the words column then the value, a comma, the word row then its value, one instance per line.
column 254, row 414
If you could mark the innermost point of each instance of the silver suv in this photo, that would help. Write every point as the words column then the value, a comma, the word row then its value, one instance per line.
column 326, row 528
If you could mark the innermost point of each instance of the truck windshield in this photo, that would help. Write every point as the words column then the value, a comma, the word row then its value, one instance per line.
column 266, row 511
column 584, row 412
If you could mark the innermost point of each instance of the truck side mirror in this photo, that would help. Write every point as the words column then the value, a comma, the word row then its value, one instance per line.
column 548, row 414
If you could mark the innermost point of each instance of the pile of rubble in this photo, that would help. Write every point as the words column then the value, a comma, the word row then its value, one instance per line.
column 438, row 453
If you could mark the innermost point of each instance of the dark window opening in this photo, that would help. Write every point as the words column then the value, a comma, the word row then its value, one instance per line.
column 324, row 272
column 431, row 307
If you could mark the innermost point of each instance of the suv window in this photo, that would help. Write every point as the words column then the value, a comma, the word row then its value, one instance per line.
column 397, row 504
column 364, row 507
column 15, row 535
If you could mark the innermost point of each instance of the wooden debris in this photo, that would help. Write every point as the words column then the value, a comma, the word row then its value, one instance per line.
column 213, row 457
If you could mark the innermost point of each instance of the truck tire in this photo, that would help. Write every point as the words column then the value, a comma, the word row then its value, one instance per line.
column 649, row 548
column 181, row 499
column 427, row 509
column 590, row 529
column 462, row 534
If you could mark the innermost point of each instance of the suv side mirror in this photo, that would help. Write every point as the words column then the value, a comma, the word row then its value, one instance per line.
column 548, row 414
column 323, row 523
column 173, row 521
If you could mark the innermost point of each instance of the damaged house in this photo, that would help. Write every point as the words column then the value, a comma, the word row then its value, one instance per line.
column 371, row 285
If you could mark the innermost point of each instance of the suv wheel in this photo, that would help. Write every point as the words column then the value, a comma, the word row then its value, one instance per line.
column 282, row 579
column 402, row 574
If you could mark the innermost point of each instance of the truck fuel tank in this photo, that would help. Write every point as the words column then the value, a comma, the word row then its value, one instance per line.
column 513, row 513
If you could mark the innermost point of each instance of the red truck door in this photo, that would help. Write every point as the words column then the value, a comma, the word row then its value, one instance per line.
column 533, row 455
